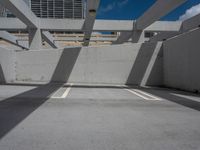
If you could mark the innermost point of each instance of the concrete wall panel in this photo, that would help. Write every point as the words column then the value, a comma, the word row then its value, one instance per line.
column 182, row 60
column 7, row 65
column 103, row 65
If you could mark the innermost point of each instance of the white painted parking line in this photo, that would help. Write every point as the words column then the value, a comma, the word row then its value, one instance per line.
column 64, row 95
column 143, row 95
column 133, row 92
column 66, row 92
column 149, row 95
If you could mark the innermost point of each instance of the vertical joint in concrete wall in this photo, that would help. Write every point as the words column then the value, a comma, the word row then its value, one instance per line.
column 35, row 38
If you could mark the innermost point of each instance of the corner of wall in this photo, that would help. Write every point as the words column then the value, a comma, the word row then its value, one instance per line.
column 7, row 65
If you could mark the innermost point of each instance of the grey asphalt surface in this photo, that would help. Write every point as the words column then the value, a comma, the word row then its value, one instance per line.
column 97, row 118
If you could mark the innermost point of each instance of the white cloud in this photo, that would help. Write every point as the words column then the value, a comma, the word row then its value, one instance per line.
column 108, row 8
column 190, row 12
column 122, row 3
column 113, row 5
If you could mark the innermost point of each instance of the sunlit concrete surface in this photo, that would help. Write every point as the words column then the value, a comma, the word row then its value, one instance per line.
column 98, row 118
column 79, row 97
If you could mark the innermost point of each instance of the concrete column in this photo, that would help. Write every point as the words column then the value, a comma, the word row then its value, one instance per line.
column 35, row 38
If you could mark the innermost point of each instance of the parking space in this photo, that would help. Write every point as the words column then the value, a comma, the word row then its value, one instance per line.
column 98, row 117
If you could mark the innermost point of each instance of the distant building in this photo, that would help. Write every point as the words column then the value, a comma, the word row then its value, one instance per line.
column 72, row 9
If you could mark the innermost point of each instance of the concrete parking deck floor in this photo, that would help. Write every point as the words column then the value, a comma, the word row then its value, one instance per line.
column 52, row 117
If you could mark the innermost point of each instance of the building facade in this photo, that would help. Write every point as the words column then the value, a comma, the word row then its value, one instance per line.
column 73, row 9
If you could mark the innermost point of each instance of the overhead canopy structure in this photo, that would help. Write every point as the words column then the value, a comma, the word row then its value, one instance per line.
column 130, row 29
column 78, row 25
column 154, row 13
column 20, row 9
column 12, row 39
column 157, row 11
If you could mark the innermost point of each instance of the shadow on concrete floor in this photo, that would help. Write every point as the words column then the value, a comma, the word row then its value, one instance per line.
column 169, row 95
column 15, row 109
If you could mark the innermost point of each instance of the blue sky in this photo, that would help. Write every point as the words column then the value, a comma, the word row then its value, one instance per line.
column 132, row 9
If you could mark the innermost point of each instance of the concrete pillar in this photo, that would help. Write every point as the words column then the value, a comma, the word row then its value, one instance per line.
column 35, row 38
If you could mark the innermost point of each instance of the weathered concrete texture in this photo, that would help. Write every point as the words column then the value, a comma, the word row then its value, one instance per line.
column 98, row 119
column 7, row 65
column 119, row 64
column 181, row 61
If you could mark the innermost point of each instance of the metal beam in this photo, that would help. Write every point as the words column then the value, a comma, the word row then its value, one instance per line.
column 92, row 6
column 49, row 39
column 11, row 39
column 157, row 11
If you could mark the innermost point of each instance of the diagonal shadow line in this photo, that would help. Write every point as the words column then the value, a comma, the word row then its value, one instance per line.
column 195, row 105
column 154, row 72
column 65, row 64
column 2, row 77
column 15, row 109
column 140, row 64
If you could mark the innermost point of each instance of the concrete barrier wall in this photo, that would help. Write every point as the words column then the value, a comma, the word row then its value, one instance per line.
column 182, row 60
column 116, row 64
column 175, row 65
column 7, row 65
